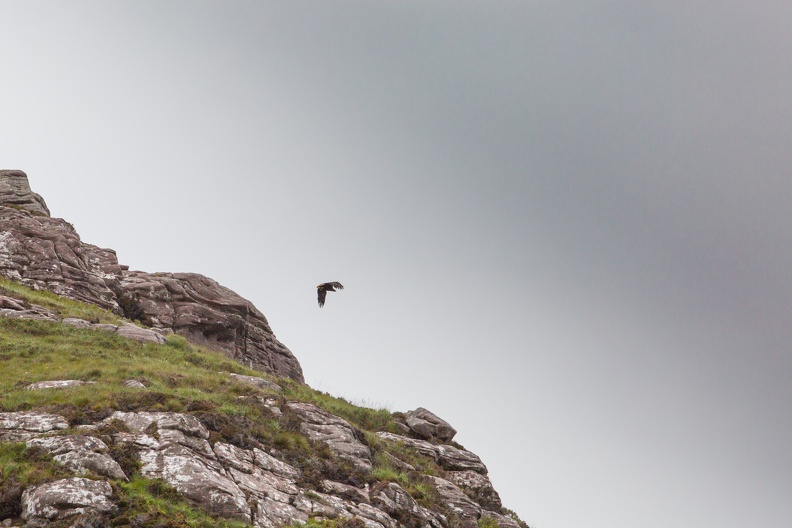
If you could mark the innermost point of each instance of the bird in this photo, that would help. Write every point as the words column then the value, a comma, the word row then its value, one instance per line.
column 325, row 287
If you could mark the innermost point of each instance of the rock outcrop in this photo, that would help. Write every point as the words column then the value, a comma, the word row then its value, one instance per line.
column 247, row 484
column 270, row 462
column 46, row 253
column 427, row 425
column 15, row 191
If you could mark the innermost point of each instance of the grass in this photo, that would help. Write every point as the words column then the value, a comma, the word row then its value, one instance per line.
column 61, row 305
column 20, row 468
column 155, row 503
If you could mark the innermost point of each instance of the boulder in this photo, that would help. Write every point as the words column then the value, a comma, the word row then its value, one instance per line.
column 132, row 384
column 60, row 499
column 429, row 426
column 57, row 384
column 257, row 382
column 144, row 335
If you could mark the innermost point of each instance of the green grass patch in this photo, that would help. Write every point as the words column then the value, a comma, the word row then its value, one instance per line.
column 155, row 503
column 20, row 468
column 63, row 306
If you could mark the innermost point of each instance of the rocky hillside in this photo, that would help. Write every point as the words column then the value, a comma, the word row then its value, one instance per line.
column 46, row 253
column 138, row 399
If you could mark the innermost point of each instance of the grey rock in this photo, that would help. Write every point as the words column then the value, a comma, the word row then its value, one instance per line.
column 478, row 487
column 21, row 426
column 81, row 454
column 255, row 381
column 198, row 477
column 346, row 491
column 337, row 433
column 466, row 511
column 132, row 384
column 270, row 463
column 270, row 513
column 75, row 322
column 65, row 498
column 57, row 384
column 7, row 303
column 15, row 309
column 449, row 457
column 428, row 425
column 181, row 456
column 137, row 333
column 394, row 500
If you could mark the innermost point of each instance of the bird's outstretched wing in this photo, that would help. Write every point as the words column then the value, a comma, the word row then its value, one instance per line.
column 322, row 289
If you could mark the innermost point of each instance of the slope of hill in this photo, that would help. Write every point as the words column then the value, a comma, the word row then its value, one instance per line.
column 108, row 423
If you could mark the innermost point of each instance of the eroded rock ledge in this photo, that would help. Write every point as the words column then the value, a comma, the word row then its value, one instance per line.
column 46, row 253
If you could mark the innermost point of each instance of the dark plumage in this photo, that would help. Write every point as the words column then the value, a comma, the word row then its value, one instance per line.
column 322, row 290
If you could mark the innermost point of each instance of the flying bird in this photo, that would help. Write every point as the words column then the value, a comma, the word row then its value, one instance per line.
column 322, row 290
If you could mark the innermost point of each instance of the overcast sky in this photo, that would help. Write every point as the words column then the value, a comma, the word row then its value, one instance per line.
column 563, row 226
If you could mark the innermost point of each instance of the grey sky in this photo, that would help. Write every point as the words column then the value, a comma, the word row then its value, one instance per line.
column 562, row 226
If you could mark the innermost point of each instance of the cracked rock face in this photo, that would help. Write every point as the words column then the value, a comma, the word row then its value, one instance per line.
column 46, row 253
column 210, row 314
column 21, row 426
column 15, row 190
column 81, row 454
column 340, row 437
column 449, row 457
column 247, row 484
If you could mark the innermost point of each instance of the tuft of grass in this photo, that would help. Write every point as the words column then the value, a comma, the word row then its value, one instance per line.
column 21, row 467
column 146, row 502
column 487, row 522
